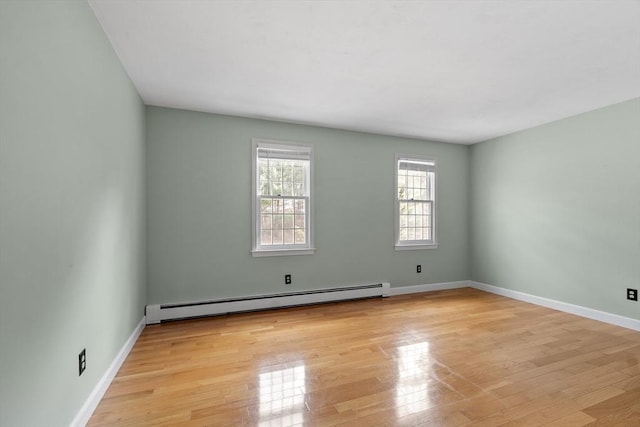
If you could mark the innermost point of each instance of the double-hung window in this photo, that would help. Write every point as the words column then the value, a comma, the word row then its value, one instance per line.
column 415, row 202
column 282, row 198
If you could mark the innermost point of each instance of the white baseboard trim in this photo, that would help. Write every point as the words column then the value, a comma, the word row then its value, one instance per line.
column 90, row 405
column 402, row 290
column 590, row 313
column 602, row 316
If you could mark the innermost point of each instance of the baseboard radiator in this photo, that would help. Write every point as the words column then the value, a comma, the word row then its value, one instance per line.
column 157, row 313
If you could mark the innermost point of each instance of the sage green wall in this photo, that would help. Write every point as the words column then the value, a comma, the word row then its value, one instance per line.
column 71, row 209
column 555, row 210
column 199, row 210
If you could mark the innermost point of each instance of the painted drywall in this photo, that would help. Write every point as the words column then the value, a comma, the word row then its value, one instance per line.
column 199, row 210
column 71, row 209
column 555, row 210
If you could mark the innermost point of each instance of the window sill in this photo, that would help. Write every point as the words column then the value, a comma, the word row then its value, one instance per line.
column 416, row 247
column 282, row 252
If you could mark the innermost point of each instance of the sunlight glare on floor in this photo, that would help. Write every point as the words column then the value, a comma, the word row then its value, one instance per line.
column 282, row 397
column 412, row 389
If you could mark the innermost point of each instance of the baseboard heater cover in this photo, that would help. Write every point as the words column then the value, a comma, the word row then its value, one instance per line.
column 157, row 313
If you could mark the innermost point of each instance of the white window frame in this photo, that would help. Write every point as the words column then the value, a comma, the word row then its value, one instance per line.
column 415, row 244
column 280, row 250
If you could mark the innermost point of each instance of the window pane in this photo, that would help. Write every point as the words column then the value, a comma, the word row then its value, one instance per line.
column 266, row 221
column 288, row 206
column 288, row 221
column 265, row 205
column 277, row 237
column 402, row 193
column 299, row 221
column 274, row 171
column 287, row 172
column 277, row 222
column 265, row 188
column 288, row 237
column 278, row 206
column 426, row 233
column 411, row 208
column 263, row 168
column 265, row 237
column 299, row 236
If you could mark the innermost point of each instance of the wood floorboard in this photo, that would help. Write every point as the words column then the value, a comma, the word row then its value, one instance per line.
column 448, row 358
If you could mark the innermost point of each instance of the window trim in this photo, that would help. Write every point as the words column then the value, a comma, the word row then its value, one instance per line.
column 433, row 244
column 280, row 250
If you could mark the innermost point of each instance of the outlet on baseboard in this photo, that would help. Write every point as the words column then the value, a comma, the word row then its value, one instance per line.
column 82, row 361
column 632, row 294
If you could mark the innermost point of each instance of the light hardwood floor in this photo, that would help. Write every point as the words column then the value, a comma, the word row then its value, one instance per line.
column 448, row 358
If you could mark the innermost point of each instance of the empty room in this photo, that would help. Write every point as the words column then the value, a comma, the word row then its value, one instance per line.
column 319, row 213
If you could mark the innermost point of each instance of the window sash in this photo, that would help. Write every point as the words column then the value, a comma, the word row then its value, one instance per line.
column 416, row 223
column 415, row 186
column 283, row 216
column 282, row 187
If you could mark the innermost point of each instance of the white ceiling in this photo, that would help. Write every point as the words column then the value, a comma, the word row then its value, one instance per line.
column 453, row 71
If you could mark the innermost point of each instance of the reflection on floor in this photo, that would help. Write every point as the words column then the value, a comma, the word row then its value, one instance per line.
column 413, row 380
column 282, row 397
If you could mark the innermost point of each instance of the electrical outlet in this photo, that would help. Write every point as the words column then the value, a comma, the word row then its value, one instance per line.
column 419, row 269
column 82, row 361
column 632, row 294
column 287, row 279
